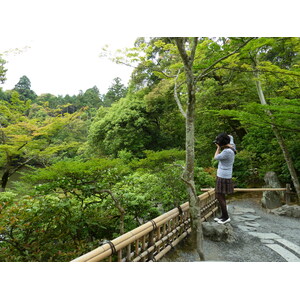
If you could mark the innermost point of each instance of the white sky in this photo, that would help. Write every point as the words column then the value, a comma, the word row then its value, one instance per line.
column 64, row 42
column 65, row 37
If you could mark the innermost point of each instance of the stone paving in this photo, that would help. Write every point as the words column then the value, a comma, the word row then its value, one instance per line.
column 288, row 250
column 259, row 236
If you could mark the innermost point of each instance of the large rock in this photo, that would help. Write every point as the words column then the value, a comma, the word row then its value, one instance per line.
column 271, row 199
column 287, row 210
column 218, row 232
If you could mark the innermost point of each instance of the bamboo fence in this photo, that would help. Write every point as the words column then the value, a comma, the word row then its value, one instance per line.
column 152, row 240
column 287, row 191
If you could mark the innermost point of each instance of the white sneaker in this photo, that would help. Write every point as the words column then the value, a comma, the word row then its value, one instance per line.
column 217, row 219
column 224, row 221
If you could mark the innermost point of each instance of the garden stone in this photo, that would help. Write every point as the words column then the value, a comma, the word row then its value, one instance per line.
column 241, row 210
column 246, row 228
column 252, row 224
column 271, row 199
column 267, row 241
column 243, row 218
column 287, row 210
column 218, row 232
column 265, row 235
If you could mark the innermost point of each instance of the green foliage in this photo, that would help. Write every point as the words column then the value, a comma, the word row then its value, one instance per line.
column 79, row 178
column 68, row 212
column 23, row 87
column 91, row 98
column 24, row 139
column 2, row 69
column 47, row 228
column 115, row 92
column 75, row 198
column 155, row 160
column 246, row 167
column 126, row 126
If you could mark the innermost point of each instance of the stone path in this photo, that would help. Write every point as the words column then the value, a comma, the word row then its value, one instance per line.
column 249, row 223
column 259, row 236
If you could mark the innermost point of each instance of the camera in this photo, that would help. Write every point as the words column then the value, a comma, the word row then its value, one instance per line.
column 222, row 139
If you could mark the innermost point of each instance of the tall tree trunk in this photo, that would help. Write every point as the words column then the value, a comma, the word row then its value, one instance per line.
column 280, row 140
column 188, row 58
column 196, row 239
column 4, row 180
column 196, row 224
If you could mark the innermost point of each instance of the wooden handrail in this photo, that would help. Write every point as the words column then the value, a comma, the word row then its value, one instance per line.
column 250, row 189
column 155, row 238
column 164, row 234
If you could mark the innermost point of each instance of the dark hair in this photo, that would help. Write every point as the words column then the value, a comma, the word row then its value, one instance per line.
column 222, row 139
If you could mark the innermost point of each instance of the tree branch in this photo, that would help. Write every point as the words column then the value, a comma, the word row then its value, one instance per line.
column 117, row 202
column 203, row 74
column 20, row 166
column 177, row 98
column 195, row 43
column 260, row 71
column 180, row 45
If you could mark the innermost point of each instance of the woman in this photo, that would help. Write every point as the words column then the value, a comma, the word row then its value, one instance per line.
column 224, row 184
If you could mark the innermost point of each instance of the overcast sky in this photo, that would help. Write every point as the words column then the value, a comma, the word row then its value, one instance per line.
column 64, row 37
column 61, row 67
column 61, row 45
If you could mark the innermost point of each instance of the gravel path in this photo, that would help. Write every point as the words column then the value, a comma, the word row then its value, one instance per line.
column 259, row 236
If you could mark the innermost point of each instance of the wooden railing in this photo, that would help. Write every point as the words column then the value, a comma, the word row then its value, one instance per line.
column 286, row 190
column 152, row 240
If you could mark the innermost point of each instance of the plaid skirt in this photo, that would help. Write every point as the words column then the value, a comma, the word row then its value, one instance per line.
column 224, row 185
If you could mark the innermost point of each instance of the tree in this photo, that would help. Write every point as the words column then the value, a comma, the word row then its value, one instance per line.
column 49, row 228
column 187, row 48
column 90, row 182
column 23, row 140
column 48, row 100
column 279, row 137
column 190, row 61
column 127, row 125
column 115, row 92
column 23, row 87
column 91, row 98
column 2, row 70
column 273, row 62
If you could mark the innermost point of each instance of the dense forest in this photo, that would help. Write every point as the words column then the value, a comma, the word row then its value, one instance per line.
column 77, row 170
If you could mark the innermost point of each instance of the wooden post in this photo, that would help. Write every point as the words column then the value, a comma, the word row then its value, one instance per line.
column 158, row 237
column 128, row 256
column 119, row 253
column 150, row 243
column 137, row 242
column 287, row 194
column 143, row 246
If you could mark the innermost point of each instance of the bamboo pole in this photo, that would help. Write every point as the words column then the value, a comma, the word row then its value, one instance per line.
column 143, row 244
column 119, row 243
column 137, row 249
column 158, row 243
column 288, row 194
column 122, row 241
column 125, row 242
column 173, row 244
column 204, row 218
column 150, row 243
column 128, row 254
column 119, row 253
column 251, row 190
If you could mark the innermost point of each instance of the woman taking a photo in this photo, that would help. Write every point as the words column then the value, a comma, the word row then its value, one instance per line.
column 225, row 155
